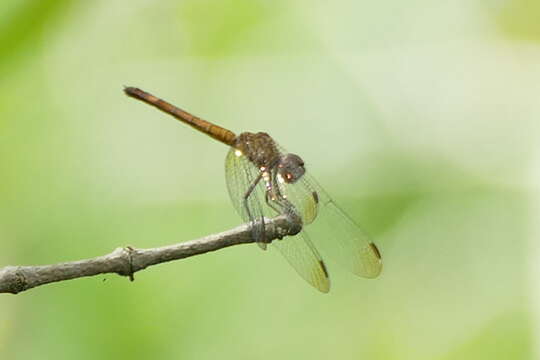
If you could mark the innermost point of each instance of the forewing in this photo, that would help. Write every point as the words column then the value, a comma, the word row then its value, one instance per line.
column 335, row 233
column 304, row 258
column 304, row 199
column 340, row 237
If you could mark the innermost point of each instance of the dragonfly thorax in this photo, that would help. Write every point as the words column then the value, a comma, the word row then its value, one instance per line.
column 259, row 148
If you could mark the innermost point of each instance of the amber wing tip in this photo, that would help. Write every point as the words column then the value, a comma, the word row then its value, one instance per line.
column 373, row 267
column 375, row 250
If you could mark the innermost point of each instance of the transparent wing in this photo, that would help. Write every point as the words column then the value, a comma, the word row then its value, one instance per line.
column 297, row 250
column 303, row 197
column 304, row 258
column 240, row 175
column 335, row 233
column 344, row 240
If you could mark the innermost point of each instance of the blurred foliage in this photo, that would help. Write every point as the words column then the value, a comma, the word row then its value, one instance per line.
column 424, row 135
column 510, row 331
column 216, row 29
column 519, row 19
column 219, row 28
column 25, row 24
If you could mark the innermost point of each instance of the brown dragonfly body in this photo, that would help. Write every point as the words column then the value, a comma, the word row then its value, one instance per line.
column 263, row 180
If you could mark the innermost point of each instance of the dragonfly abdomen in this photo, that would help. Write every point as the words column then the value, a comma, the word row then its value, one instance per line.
column 214, row 131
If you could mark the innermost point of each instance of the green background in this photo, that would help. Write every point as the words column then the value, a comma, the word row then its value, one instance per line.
column 419, row 117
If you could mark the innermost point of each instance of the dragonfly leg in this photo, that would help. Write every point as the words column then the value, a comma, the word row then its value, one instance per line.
column 270, row 202
column 275, row 200
column 258, row 236
column 286, row 206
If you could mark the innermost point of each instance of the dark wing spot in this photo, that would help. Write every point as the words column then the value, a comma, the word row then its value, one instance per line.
column 315, row 197
column 375, row 250
column 324, row 268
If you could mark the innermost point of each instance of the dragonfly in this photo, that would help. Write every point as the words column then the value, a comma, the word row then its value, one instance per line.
column 265, row 180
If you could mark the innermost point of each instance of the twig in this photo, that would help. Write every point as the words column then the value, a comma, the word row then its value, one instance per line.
column 126, row 261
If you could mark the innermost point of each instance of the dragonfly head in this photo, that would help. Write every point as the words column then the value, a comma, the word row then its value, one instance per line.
column 291, row 168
